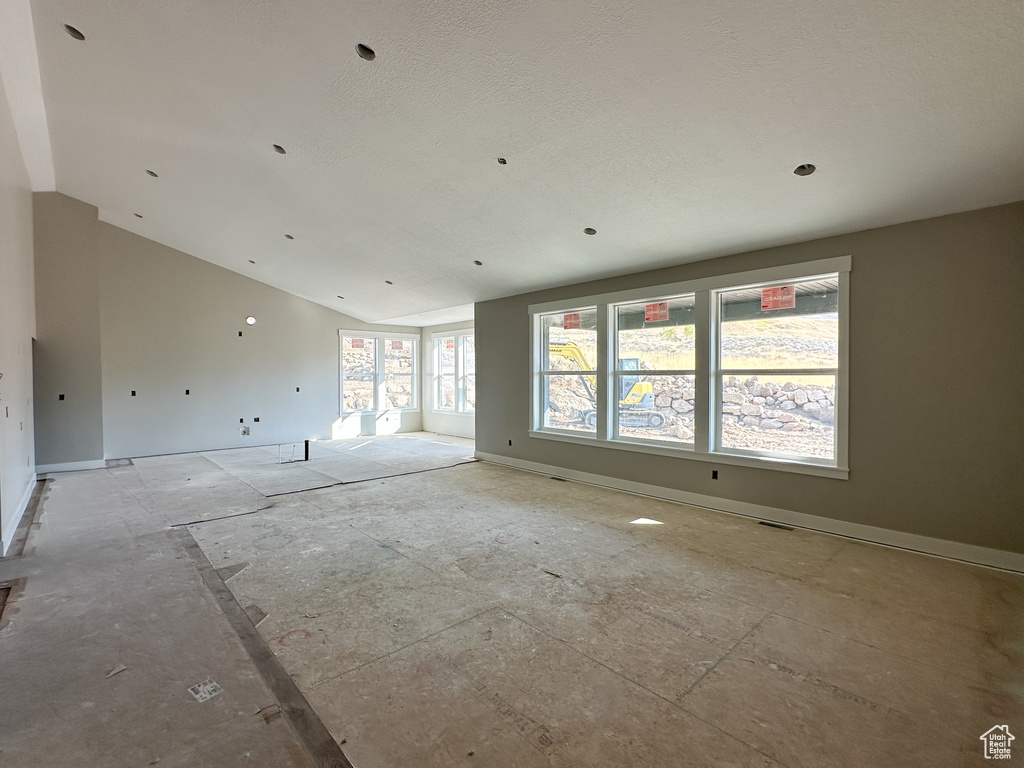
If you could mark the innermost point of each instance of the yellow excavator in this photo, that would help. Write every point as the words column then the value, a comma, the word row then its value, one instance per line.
column 636, row 398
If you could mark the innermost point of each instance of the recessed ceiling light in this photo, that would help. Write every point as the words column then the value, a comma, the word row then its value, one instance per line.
column 478, row 263
column 152, row 174
column 288, row 237
column 341, row 297
column 365, row 52
column 138, row 215
column 589, row 231
column 502, row 161
column 804, row 170
column 73, row 32
column 389, row 282
column 279, row 149
column 250, row 320
column 251, row 261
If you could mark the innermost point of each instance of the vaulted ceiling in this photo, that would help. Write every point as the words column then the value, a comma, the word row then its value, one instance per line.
column 671, row 127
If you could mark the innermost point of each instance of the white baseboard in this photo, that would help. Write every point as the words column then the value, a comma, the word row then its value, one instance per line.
column 70, row 466
column 7, row 535
column 953, row 550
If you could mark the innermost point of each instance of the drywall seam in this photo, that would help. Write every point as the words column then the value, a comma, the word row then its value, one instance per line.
column 71, row 466
column 996, row 558
column 7, row 536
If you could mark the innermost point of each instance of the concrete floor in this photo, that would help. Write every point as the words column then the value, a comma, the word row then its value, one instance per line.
column 478, row 615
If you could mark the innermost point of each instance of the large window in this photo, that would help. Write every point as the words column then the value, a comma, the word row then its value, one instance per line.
column 378, row 371
column 743, row 369
column 778, row 366
column 654, row 378
column 568, row 375
column 455, row 373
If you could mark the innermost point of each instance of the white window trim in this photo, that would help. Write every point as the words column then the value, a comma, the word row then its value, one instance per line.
column 707, row 397
column 460, row 375
column 379, row 367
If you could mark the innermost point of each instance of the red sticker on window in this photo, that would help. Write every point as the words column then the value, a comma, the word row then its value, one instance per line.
column 356, row 343
column 449, row 343
column 571, row 321
column 782, row 297
column 397, row 344
column 655, row 313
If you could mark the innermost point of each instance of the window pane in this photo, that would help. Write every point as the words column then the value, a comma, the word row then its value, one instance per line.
column 805, row 336
column 357, row 393
column 445, row 355
column 567, row 402
column 569, row 341
column 398, row 390
column 647, row 342
column 398, row 356
column 358, row 355
column 468, row 354
column 446, row 392
column 656, row 407
column 792, row 415
column 470, row 404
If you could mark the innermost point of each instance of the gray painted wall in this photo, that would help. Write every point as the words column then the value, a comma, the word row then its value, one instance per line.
column 442, row 422
column 67, row 351
column 166, row 322
column 936, row 365
column 17, row 327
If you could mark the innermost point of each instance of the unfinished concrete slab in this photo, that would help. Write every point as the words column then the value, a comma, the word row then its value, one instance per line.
column 478, row 615
column 708, row 635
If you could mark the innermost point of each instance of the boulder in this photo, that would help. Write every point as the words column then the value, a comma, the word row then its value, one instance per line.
column 787, row 405
column 789, row 386
column 794, row 426
column 785, row 418
column 730, row 408
column 751, row 410
column 758, row 401
column 663, row 400
column 681, row 406
column 733, row 397
column 751, row 421
column 811, row 407
column 771, row 424
column 800, row 397
column 681, row 433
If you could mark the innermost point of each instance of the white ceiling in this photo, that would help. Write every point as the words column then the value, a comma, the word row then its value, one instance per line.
column 671, row 126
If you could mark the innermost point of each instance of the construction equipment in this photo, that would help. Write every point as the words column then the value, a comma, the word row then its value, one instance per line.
column 636, row 398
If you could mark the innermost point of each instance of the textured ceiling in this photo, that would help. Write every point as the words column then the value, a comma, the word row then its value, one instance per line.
column 671, row 126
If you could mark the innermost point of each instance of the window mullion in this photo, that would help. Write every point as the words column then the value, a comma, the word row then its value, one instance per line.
column 705, row 380
column 606, row 352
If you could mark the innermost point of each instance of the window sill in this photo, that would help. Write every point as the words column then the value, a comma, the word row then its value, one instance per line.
column 442, row 412
column 687, row 453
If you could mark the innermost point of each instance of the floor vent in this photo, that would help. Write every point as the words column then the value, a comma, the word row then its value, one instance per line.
column 780, row 526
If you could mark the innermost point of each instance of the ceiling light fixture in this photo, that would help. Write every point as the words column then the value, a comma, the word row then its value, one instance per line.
column 389, row 282
column 804, row 170
column 502, row 161
column 341, row 297
column 288, row 237
column 365, row 52
column 589, row 231
column 155, row 176
column 478, row 263
column 279, row 149
column 250, row 320
column 73, row 32
column 138, row 215
column 251, row 261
